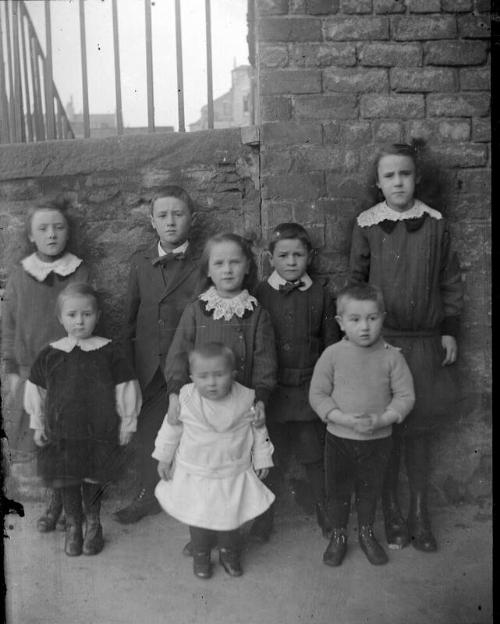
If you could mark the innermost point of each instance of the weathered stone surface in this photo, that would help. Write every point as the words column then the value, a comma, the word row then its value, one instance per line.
column 423, row 79
column 275, row 108
column 356, row 6
column 475, row 79
column 321, row 7
column 391, row 54
column 290, row 29
column 356, row 28
column 389, row 6
column 474, row 26
column 298, row 187
column 455, row 52
column 291, row 133
column 396, row 106
column 331, row 106
column 424, row 6
column 355, row 80
column 459, row 105
column 447, row 130
column 322, row 54
column 282, row 81
column 423, row 27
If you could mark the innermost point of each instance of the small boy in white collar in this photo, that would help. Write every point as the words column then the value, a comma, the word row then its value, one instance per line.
column 303, row 316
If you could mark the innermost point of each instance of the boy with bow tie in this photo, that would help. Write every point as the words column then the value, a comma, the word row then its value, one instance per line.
column 163, row 280
column 303, row 315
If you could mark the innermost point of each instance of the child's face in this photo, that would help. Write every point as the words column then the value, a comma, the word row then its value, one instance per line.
column 396, row 179
column 49, row 233
column 361, row 321
column 290, row 259
column 227, row 267
column 171, row 219
column 78, row 316
column 212, row 376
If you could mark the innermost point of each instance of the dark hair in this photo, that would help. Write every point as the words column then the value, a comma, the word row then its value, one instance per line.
column 60, row 205
column 360, row 292
column 76, row 289
column 212, row 350
column 172, row 190
column 289, row 231
column 250, row 280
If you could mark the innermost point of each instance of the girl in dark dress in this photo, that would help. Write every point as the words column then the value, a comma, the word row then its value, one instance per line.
column 83, row 402
column 403, row 246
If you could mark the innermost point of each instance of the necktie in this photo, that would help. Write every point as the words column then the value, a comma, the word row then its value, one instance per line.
column 162, row 260
column 289, row 286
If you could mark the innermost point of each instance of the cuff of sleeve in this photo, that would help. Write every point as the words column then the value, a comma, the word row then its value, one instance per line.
column 10, row 367
column 174, row 387
column 262, row 394
column 450, row 326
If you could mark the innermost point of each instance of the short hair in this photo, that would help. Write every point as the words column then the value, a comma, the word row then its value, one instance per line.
column 360, row 292
column 59, row 204
column 76, row 289
column 172, row 190
column 289, row 231
column 210, row 350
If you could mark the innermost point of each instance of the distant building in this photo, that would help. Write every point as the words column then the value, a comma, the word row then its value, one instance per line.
column 234, row 108
column 103, row 124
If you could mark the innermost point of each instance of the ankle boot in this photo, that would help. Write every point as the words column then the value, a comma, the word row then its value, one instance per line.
column 49, row 520
column 323, row 520
column 337, row 548
column 419, row 524
column 144, row 504
column 230, row 561
column 93, row 542
column 202, row 566
column 374, row 552
column 72, row 501
column 396, row 529
column 262, row 526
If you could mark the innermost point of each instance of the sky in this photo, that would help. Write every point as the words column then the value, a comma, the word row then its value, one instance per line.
column 229, row 48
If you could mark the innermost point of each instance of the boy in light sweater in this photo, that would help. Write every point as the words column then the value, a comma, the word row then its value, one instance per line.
column 359, row 388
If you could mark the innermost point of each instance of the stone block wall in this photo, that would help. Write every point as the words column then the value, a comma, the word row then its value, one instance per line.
column 336, row 78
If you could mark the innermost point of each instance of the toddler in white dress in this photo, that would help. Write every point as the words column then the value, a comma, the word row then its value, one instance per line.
column 212, row 462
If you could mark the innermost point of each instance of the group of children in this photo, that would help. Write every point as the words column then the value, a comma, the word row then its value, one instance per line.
column 220, row 378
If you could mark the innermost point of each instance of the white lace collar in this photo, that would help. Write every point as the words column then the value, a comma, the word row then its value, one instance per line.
column 275, row 281
column 66, row 265
column 381, row 212
column 227, row 308
column 68, row 343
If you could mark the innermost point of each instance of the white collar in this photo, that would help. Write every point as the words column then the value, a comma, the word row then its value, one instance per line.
column 181, row 249
column 65, row 265
column 68, row 343
column 381, row 212
column 227, row 308
column 275, row 281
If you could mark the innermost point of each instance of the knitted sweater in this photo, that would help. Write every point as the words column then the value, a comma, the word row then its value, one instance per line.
column 355, row 379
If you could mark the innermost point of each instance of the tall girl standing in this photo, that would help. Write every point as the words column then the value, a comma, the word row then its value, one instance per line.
column 29, row 323
column 403, row 246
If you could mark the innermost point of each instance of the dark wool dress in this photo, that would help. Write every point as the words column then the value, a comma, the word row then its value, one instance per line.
column 412, row 261
column 82, row 423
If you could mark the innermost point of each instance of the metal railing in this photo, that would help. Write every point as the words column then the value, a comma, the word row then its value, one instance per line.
column 30, row 106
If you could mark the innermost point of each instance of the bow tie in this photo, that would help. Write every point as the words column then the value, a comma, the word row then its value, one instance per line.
column 162, row 260
column 287, row 287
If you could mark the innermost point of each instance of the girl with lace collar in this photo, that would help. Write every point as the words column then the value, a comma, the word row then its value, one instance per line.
column 29, row 323
column 83, row 401
column 403, row 246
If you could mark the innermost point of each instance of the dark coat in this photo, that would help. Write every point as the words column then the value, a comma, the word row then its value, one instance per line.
column 156, row 298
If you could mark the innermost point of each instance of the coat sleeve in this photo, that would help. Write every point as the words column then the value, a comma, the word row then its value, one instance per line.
column 34, row 404
column 359, row 262
column 265, row 361
column 321, row 388
column 451, row 287
column 128, row 401
column 262, row 449
column 166, row 442
column 177, row 365
column 132, row 302
column 9, row 307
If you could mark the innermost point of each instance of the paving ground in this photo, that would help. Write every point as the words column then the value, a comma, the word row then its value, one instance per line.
column 141, row 577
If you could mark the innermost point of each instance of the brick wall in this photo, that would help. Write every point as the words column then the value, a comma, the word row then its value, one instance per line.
column 335, row 79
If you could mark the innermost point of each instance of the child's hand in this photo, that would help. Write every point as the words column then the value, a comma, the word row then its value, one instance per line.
column 174, row 409
column 13, row 381
column 166, row 470
column 125, row 437
column 262, row 473
column 259, row 419
column 449, row 345
column 40, row 437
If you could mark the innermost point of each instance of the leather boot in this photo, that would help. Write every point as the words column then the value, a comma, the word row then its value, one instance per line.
column 49, row 520
column 144, row 504
column 374, row 552
column 93, row 541
column 262, row 526
column 337, row 548
column 230, row 561
column 419, row 524
column 202, row 566
column 396, row 530
column 72, row 501
column 323, row 520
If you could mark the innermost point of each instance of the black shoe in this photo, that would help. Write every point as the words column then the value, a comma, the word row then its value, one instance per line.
column 202, row 567
column 93, row 542
column 49, row 520
column 421, row 535
column 323, row 520
column 230, row 561
column 61, row 522
column 144, row 504
column 336, row 549
column 396, row 529
column 374, row 552
column 262, row 527
column 74, row 538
